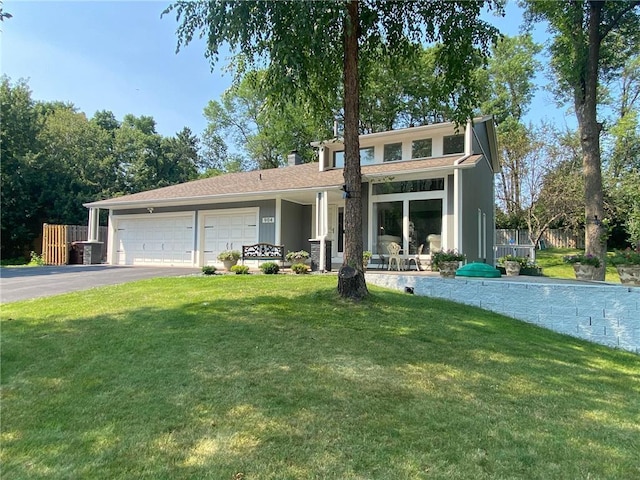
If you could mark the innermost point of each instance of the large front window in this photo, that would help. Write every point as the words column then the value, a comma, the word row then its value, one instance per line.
column 409, row 213
column 423, row 218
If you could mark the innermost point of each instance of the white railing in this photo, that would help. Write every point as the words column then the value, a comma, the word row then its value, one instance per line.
column 528, row 251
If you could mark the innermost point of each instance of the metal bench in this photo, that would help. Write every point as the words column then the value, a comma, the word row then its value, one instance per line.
column 263, row 251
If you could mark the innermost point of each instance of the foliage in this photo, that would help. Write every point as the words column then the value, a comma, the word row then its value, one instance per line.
column 262, row 132
column 54, row 159
column 584, row 259
column 240, row 269
column 446, row 256
column 299, row 268
column 229, row 255
column 510, row 73
column 209, row 269
column 36, row 260
column 625, row 257
column 591, row 43
column 270, row 268
column 344, row 390
column 366, row 256
column 523, row 261
column 300, row 255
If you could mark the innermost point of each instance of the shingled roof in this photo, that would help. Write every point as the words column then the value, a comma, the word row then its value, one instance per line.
column 277, row 180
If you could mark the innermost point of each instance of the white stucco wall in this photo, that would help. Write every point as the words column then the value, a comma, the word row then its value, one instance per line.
column 602, row 313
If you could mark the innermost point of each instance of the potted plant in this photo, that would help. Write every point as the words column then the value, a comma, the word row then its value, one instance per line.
column 584, row 266
column 513, row 264
column 366, row 256
column 229, row 258
column 297, row 257
column 627, row 262
column 447, row 262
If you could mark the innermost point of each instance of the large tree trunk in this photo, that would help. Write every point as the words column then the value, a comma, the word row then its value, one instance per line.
column 585, row 99
column 352, row 284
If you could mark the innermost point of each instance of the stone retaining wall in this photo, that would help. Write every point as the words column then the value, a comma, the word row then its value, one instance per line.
column 605, row 314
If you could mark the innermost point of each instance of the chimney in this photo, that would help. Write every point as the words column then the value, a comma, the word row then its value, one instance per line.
column 294, row 158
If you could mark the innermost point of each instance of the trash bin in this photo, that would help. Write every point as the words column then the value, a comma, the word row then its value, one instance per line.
column 89, row 253
column 76, row 254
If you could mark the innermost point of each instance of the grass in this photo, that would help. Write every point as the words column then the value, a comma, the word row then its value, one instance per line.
column 274, row 377
column 553, row 265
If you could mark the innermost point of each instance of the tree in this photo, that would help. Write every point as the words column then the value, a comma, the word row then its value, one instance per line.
column 299, row 41
column 18, row 139
column 553, row 182
column 262, row 132
column 592, row 39
column 510, row 88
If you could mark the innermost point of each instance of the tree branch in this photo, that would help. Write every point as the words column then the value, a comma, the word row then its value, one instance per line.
column 614, row 22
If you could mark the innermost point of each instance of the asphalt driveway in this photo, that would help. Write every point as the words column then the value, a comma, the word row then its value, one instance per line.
column 33, row 282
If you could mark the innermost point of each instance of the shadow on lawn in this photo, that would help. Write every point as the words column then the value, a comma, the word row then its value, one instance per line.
column 309, row 386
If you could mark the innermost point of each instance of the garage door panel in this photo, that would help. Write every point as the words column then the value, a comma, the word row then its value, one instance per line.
column 227, row 231
column 155, row 241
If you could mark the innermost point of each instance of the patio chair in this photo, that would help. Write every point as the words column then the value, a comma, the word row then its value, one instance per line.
column 416, row 259
column 394, row 255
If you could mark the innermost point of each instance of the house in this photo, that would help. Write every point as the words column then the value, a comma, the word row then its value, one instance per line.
column 429, row 186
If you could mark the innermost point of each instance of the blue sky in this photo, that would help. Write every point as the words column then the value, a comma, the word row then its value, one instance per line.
column 120, row 56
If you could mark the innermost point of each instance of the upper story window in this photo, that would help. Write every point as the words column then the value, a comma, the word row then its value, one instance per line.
column 392, row 152
column 366, row 157
column 421, row 148
column 424, row 185
column 453, row 144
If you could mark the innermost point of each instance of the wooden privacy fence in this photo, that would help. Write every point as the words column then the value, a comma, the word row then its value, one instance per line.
column 57, row 240
column 552, row 238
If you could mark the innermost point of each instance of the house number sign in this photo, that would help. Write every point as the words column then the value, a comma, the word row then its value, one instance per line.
column 268, row 220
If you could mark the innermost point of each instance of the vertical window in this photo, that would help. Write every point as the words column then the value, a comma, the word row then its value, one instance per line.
column 421, row 148
column 366, row 157
column 392, row 152
column 425, row 219
column 453, row 144
column 387, row 224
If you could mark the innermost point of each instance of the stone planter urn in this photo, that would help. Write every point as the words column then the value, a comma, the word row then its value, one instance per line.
column 512, row 268
column 583, row 271
column 448, row 269
column 228, row 264
column 629, row 274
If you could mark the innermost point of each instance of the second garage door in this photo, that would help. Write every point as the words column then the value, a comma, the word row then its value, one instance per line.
column 228, row 231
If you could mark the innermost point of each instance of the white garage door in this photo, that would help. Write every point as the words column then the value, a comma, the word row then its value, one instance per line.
column 228, row 231
column 155, row 240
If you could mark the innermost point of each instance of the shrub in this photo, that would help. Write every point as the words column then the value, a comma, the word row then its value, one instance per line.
column 583, row 259
column 298, row 257
column 36, row 260
column 523, row 261
column 299, row 268
column 626, row 257
column 270, row 268
column 208, row 269
column 366, row 256
column 446, row 256
column 240, row 269
column 229, row 255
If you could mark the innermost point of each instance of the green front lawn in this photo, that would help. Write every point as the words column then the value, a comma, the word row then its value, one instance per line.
column 274, row 377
